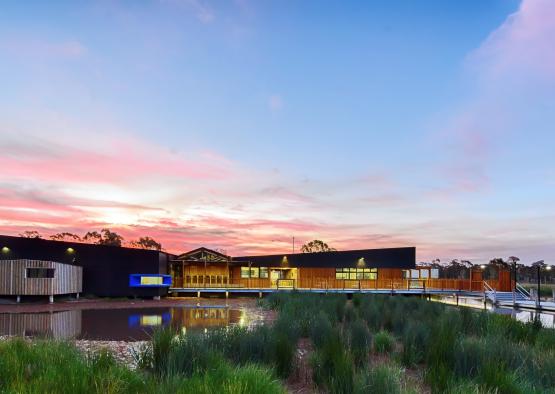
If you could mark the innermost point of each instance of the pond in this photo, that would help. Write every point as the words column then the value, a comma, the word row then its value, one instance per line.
column 126, row 324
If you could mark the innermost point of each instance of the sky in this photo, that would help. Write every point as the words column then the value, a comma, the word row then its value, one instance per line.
column 241, row 124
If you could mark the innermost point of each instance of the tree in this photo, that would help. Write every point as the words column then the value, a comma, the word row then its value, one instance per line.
column 66, row 237
column 146, row 243
column 499, row 262
column 110, row 238
column 92, row 237
column 105, row 237
column 456, row 269
column 316, row 246
column 30, row 234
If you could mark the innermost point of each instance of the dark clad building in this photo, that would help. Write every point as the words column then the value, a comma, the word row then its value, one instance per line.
column 106, row 269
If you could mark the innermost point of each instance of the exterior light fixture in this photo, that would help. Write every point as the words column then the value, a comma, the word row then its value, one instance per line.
column 5, row 249
column 548, row 268
column 70, row 250
column 361, row 263
column 483, row 267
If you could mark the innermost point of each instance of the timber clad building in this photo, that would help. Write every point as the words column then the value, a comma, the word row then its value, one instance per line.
column 100, row 270
column 203, row 267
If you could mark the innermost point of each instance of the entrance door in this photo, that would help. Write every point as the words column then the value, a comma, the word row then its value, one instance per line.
column 275, row 275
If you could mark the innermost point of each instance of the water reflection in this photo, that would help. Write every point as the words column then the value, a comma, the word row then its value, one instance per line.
column 123, row 324
column 546, row 318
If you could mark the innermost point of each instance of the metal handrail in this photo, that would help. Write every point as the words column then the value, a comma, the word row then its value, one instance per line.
column 487, row 288
column 522, row 290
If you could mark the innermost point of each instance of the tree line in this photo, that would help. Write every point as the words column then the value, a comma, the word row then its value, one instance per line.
column 459, row 269
column 102, row 237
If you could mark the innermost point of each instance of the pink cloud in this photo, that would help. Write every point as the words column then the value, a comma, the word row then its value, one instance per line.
column 523, row 43
column 121, row 160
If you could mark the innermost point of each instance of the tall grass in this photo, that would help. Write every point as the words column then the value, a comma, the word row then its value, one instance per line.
column 383, row 342
column 58, row 367
column 382, row 378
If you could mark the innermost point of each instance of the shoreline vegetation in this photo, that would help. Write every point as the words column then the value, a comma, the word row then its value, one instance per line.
column 316, row 343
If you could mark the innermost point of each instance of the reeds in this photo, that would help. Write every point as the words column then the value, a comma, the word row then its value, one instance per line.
column 383, row 342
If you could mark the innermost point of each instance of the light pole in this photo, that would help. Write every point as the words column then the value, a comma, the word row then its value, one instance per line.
column 539, row 265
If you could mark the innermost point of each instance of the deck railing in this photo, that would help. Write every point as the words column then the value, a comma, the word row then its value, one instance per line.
column 350, row 284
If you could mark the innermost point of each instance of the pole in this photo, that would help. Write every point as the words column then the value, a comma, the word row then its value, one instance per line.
column 514, row 283
column 538, row 295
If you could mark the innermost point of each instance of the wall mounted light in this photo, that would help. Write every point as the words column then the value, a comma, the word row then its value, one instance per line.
column 483, row 267
column 5, row 249
column 70, row 250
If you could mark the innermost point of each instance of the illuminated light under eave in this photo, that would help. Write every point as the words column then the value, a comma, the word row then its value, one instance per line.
column 70, row 250
column 361, row 263
column 483, row 267
column 5, row 249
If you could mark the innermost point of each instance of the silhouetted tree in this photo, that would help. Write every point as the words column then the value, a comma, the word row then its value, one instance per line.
column 65, row 237
column 105, row 237
column 146, row 243
column 456, row 269
column 499, row 262
column 316, row 246
column 30, row 234
column 110, row 238
column 92, row 237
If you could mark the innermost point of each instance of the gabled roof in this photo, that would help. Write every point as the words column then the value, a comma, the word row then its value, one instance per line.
column 203, row 255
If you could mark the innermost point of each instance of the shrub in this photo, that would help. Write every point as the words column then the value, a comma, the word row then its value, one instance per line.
column 320, row 330
column 382, row 378
column 383, row 342
column 349, row 314
column 332, row 366
column 359, row 341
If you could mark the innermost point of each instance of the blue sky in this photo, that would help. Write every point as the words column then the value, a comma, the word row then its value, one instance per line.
column 367, row 124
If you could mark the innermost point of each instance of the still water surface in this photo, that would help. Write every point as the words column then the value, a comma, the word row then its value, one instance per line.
column 125, row 324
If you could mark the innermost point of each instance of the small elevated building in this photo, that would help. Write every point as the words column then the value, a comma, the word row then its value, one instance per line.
column 23, row 277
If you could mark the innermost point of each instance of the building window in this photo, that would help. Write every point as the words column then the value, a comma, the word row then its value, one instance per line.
column 435, row 273
column 356, row 273
column 39, row 273
column 264, row 272
column 255, row 272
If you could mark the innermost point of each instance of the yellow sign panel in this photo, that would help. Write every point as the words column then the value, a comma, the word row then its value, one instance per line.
column 151, row 280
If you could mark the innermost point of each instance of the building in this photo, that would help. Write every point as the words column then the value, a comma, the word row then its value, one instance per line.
column 107, row 271
column 23, row 277
column 110, row 271
column 345, row 269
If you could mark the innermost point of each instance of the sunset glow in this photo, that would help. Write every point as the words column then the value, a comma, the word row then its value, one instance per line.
column 239, row 126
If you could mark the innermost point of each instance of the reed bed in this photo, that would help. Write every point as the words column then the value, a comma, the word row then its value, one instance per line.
column 368, row 345
column 457, row 349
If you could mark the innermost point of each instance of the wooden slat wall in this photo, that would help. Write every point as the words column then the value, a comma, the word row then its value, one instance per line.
column 67, row 278
column 388, row 278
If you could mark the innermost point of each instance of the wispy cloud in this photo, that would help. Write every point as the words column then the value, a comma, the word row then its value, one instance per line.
column 202, row 11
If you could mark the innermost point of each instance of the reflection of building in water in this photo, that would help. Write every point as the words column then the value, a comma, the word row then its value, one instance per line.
column 58, row 325
column 204, row 317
